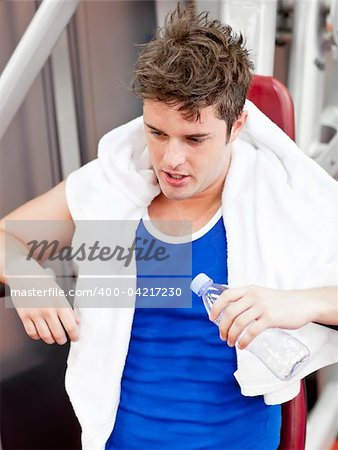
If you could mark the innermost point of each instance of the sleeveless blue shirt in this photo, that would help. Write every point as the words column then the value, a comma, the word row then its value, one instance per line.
column 178, row 390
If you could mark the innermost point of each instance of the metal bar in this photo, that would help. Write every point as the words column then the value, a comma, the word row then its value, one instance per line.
column 327, row 156
column 30, row 55
column 257, row 21
column 51, row 128
column 212, row 6
column 163, row 7
column 306, row 74
column 65, row 107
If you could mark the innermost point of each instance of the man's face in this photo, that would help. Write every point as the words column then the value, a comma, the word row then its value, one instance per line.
column 188, row 157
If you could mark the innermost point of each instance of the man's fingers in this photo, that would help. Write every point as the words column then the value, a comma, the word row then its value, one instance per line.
column 44, row 331
column 30, row 329
column 239, row 324
column 230, row 313
column 56, row 329
column 50, row 324
column 76, row 316
column 70, row 322
column 228, row 296
column 253, row 330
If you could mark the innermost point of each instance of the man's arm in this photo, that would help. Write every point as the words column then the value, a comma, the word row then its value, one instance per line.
column 260, row 308
column 41, row 322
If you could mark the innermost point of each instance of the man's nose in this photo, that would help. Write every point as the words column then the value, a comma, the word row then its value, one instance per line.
column 174, row 154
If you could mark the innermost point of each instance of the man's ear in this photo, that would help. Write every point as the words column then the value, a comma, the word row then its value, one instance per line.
column 237, row 126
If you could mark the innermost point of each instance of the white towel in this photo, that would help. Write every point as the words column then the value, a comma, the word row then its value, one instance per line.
column 279, row 211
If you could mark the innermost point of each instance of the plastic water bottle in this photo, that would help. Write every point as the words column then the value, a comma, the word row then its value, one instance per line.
column 282, row 353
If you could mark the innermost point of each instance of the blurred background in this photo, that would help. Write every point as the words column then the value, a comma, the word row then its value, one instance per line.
column 66, row 67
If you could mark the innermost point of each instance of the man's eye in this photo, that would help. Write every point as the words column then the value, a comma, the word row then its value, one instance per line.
column 196, row 140
column 155, row 133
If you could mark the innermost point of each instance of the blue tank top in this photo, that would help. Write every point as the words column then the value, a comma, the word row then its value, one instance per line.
column 178, row 390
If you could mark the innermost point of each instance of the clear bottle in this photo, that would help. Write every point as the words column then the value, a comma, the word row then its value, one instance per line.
column 282, row 353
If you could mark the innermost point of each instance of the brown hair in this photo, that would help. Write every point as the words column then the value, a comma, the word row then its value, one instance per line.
column 195, row 62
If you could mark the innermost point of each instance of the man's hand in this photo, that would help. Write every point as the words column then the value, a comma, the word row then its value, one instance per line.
column 49, row 324
column 40, row 302
column 45, row 317
column 260, row 308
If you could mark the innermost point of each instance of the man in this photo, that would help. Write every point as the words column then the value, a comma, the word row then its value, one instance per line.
column 177, row 386
column 190, row 124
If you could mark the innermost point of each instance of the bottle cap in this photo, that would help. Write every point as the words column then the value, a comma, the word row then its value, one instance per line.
column 198, row 282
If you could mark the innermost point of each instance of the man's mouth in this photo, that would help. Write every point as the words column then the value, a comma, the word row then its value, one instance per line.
column 176, row 176
column 175, row 179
